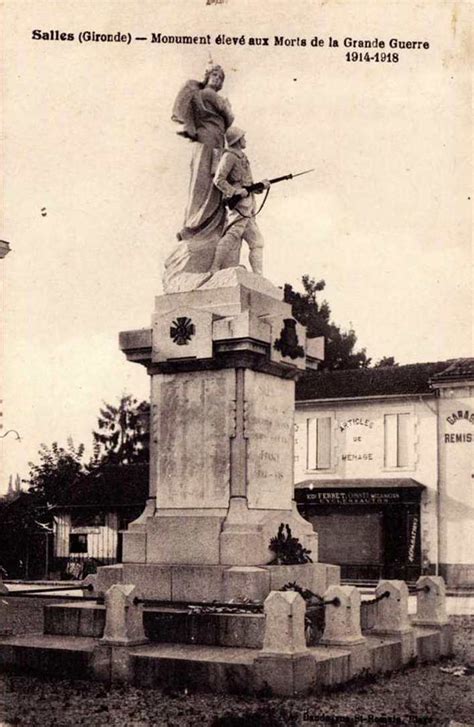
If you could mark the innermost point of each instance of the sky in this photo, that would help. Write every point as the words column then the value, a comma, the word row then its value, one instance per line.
column 95, row 181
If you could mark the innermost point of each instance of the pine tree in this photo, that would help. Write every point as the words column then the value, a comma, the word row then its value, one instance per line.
column 123, row 436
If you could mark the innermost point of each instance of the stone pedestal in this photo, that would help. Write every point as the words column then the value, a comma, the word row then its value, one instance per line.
column 342, row 628
column 430, row 602
column 431, row 612
column 284, row 624
column 223, row 361
column 124, row 617
column 284, row 665
column 392, row 617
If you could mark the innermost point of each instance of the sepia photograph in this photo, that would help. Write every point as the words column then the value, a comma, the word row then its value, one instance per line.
column 236, row 363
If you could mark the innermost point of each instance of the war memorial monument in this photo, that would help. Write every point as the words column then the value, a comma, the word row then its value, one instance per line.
column 204, row 597
column 223, row 353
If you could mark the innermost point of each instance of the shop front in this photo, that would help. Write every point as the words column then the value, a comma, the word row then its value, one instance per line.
column 371, row 528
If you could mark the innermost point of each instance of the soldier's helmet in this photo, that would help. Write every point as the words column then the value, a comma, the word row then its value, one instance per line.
column 234, row 133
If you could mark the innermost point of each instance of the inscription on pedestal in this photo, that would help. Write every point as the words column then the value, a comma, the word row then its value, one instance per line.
column 194, row 422
column 269, row 431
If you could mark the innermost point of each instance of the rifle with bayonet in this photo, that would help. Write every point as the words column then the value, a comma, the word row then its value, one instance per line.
column 258, row 187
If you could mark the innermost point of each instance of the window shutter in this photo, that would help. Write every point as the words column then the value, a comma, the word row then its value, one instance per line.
column 324, row 443
column 403, row 440
column 311, row 438
column 390, row 448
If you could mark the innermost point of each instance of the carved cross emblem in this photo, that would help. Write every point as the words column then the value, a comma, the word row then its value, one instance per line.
column 182, row 330
column 288, row 343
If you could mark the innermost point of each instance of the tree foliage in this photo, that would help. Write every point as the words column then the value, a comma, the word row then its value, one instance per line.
column 58, row 468
column 340, row 350
column 25, row 517
column 384, row 362
column 123, row 432
column 24, row 522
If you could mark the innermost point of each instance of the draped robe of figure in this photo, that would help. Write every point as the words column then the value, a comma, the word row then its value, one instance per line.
column 205, row 117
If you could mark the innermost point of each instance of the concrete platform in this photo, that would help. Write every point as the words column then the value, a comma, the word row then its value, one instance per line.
column 195, row 667
column 162, row 625
column 74, row 619
column 183, row 583
column 227, row 669
column 249, row 653
column 57, row 656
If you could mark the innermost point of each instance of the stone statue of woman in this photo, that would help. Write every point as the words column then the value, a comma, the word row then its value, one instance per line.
column 205, row 116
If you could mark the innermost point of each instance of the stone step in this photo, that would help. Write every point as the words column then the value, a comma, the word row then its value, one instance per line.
column 243, row 630
column 209, row 668
column 197, row 668
column 163, row 624
column 74, row 619
column 57, row 656
column 176, row 666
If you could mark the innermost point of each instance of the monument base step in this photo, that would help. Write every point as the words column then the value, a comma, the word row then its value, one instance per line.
column 196, row 668
column 207, row 583
column 212, row 668
column 86, row 620
column 57, row 656
column 172, row 625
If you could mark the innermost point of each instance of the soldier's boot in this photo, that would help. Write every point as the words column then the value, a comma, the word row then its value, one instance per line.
column 227, row 253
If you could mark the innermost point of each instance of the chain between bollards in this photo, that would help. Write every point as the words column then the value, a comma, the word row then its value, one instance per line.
column 385, row 594
column 424, row 589
column 197, row 604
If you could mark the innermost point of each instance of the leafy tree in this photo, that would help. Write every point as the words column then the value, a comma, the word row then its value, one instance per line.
column 22, row 535
column 340, row 345
column 384, row 362
column 58, row 468
column 26, row 517
column 123, row 432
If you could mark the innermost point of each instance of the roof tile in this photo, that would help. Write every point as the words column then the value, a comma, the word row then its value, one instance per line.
column 384, row 381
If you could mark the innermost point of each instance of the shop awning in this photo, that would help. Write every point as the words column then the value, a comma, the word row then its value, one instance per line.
column 388, row 483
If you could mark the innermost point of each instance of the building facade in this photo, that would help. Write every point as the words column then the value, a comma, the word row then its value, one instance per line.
column 89, row 521
column 383, row 469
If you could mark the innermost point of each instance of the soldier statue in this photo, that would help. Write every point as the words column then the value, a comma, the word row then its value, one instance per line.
column 232, row 177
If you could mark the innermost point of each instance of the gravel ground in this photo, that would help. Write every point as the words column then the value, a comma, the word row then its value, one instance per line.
column 424, row 695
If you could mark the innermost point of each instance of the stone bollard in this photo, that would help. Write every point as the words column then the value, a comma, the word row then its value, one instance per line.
column 430, row 601
column 431, row 613
column 342, row 626
column 284, row 623
column 391, row 619
column 123, row 629
column 124, row 617
column 284, row 666
column 90, row 580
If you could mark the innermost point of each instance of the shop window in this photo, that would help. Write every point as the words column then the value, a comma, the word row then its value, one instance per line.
column 397, row 440
column 78, row 543
column 319, row 443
